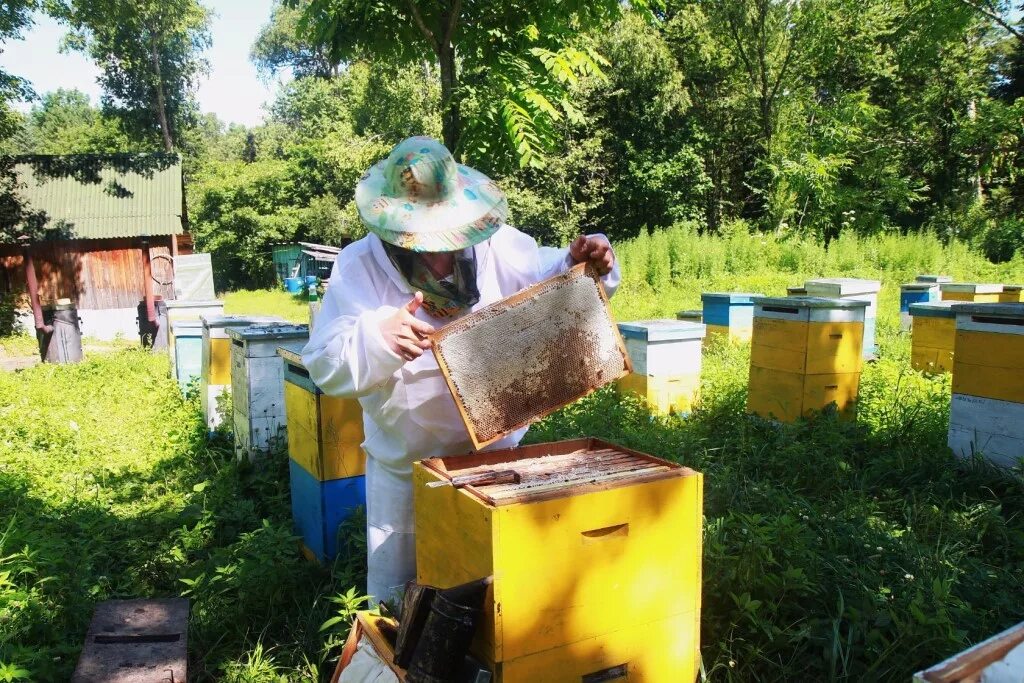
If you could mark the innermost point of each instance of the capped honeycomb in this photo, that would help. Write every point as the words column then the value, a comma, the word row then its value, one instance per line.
column 524, row 357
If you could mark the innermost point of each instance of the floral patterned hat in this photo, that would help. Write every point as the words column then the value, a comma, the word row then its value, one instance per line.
column 419, row 199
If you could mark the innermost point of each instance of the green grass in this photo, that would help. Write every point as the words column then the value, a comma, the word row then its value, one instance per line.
column 294, row 308
column 835, row 551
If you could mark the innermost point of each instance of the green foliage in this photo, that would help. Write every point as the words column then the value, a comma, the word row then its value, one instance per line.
column 275, row 302
column 281, row 46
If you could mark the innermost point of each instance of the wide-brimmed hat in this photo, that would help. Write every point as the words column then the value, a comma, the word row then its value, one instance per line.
column 419, row 199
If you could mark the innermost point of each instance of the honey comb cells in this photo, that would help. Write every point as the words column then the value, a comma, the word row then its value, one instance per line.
column 524, row 357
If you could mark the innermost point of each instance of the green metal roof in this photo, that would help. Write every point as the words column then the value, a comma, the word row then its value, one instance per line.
column 103, row 196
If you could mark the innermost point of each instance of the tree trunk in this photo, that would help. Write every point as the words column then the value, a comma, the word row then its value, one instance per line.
column 451, row 123
column 161, row 103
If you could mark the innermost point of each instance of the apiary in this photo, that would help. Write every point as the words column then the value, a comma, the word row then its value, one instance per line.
column 666, row 358
column 521, row 358
column 915, row 293
column 806, row 353
column 933, row 279
column 257, row 385
column 729, row 314
column 327, row 462
column 933, row 336
column 852, row 289
column 595, row 552
column 1011, row 294
column 691, row 316
column 987, row 412
column 186, row 350
column 979, row 293
column 215, row 373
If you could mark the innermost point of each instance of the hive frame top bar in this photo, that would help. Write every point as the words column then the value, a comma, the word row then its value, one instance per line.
column 653, row 469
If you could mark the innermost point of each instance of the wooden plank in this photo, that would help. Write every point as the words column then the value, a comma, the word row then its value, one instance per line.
column 969, row 664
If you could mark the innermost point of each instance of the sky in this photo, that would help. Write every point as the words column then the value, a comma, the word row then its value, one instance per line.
column 232, row 89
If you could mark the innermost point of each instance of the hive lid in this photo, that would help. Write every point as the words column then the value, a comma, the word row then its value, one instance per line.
column 808, row 302
column 519, row 359
column 187, row 325
column 662, row 330
column 291, row 355
column 555, row 470
column 189, row 303
column 690, row 314
column 843, row 286
column 268, row 332
column 1012, row 311
column 933, row 309
column 934, row 279
column 797, row 290
column 218, row 320
column 972, row 287
column 917, row 286
column 730, row 297
column 1012, row 288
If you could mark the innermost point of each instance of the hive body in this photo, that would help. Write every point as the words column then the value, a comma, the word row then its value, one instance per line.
column 567, row 560
column 257, row 385
column 915, row 293
column 186, row 350
column 852, row 289
column 987, row 411
column 728, row 314
column 215, row 373
column 666, row 358
column 806, row 353
column 979, row 293
column 327, row 462
column 1011, row 294
column 933, row 336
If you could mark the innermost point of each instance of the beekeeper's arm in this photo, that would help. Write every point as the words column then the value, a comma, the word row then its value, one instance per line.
column 357, row 344
column 539, row 263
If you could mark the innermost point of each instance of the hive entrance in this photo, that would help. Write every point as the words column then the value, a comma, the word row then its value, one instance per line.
column 521, row 358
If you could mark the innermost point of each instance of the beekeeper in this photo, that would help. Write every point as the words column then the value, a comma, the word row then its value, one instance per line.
column 438, row 248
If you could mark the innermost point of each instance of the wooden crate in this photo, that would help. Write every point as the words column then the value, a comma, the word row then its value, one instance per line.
column 729, row 314
column 806, row 353
column 594, row 553
column 979, row 293
column 933, row 336
column 987, row 407
column 666, row 358
column 257, row 385
column 1011, row 294
column 186, row 350
column 915, row 293
column 852, row 289
column 215, row 374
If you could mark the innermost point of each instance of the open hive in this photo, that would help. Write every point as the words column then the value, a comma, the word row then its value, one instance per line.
column 524, row 357
column 586, row 528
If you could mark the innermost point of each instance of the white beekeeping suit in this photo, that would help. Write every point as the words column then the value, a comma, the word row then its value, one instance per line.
column 408, row 411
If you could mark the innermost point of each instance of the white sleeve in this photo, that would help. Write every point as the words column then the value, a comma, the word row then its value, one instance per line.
column 554, row 261
column 346, row 354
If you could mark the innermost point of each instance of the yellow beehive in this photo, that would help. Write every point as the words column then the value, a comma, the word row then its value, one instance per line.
column 1011, row 294
column 932, row 336
column 987, row 413
column 666, row 357
column 595, row 554
column 806, row 353
column 979, row 293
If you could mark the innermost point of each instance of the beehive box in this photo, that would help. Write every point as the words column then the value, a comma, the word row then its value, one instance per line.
column 215, row 374
column 933, row 279
column 806, row 353
column 691, row 316
column 933, row 336
column 257, row 385
column 798, row 290
column 325, row 436
column 666, row 357
column 987, row 412
column 182, row 310
column 595, row 554
column 915, row 293
column 729, row 314
column 1011, row 294
column 186, row 350
column 980, row 293
column 852, row 289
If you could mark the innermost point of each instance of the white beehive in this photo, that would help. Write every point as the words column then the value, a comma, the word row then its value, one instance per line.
column 666, row 357
column 257, row 385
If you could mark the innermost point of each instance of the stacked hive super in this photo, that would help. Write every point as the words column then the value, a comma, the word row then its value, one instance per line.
column 666, row 357
column 729, row 314
column 933, row 336
column 326, row 460
column 595, row 554
column 215, row 374
column 987, row 414
column 806, row 354
column 1011, row 294
column 257, row 385
column 186, row 350
column 188, row 311
column 979, row 293
column 851, row 289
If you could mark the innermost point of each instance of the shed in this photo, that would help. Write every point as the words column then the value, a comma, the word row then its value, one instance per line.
column 300, row 259
column 108, row 219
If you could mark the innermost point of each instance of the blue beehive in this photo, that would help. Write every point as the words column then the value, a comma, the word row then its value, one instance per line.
column 729, row 313
column 319, row 508
column 915, row 293
column 187, row 350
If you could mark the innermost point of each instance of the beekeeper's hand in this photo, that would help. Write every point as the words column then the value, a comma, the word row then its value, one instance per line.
column 404, row 334
column 595, row 250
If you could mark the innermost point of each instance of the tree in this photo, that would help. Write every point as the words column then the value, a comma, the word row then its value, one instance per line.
column 15, row 16
column 281, row 45
column 149, row 52
column 523, row 47
column 65, row 122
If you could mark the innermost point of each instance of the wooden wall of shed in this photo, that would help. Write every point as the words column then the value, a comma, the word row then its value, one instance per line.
column 97, row 274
